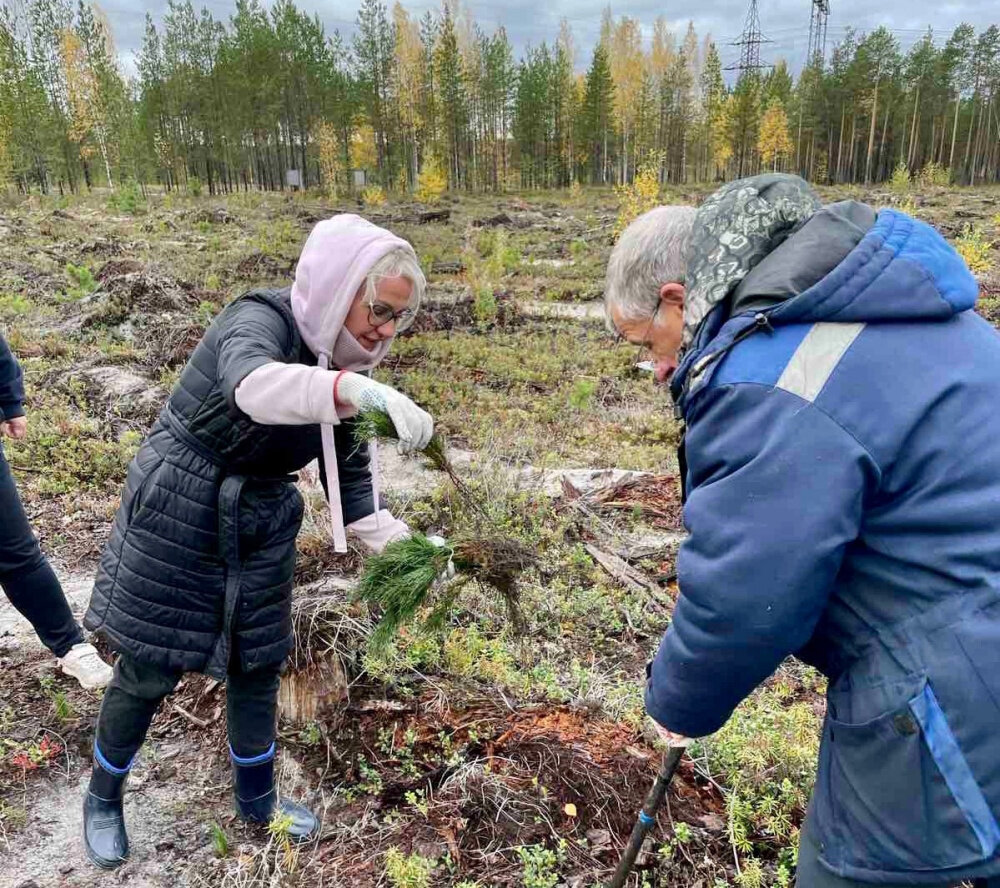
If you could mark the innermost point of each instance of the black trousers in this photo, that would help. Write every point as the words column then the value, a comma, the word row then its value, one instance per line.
column 27, row 578
column 812, row 874
column 137, row 690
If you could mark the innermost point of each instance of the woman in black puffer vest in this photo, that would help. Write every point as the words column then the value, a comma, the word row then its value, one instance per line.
column 197, row 575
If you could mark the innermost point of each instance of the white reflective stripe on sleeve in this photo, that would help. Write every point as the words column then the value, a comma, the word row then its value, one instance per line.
column 817, row 357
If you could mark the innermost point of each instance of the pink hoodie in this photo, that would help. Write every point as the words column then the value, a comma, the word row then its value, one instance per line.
column 336, row 258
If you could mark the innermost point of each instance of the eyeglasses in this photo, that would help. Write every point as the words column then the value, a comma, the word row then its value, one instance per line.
column 380, row 314
column 645, row 345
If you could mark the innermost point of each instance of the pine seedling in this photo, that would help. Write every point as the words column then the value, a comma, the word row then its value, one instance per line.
column 401, row 577
column 372, row 425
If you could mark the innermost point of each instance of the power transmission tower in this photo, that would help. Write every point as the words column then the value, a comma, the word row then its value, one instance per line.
column 817, row 31
column 815, row 56
column 749, row 44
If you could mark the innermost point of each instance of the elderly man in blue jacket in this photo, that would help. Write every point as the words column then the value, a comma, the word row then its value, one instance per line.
column 842, row 474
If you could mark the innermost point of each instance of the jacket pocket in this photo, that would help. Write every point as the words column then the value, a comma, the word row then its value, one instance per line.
column 899, row 796
column 141, row 475
column 270, row 511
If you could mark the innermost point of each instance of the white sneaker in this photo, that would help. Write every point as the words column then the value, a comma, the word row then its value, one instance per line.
column 85, row 665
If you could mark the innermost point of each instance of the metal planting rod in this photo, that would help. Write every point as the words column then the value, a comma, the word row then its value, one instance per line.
column 647, row 816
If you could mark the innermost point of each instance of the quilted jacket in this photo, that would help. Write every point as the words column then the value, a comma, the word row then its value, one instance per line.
column 198, row 570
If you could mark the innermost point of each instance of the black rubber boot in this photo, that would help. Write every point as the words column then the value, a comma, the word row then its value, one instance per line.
column 103, row 820
column 257, row 799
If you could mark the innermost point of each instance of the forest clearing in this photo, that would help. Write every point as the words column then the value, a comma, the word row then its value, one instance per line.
column 493, row 734
column 464, row 756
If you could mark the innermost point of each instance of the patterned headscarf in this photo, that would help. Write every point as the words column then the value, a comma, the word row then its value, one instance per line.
column 734, row 229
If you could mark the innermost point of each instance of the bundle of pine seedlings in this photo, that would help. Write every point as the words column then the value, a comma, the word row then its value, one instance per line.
column 400, row 579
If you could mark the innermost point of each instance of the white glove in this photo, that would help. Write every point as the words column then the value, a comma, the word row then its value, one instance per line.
column 670, row 738
column 449, row 571
column 376, row 534
column 413, row 425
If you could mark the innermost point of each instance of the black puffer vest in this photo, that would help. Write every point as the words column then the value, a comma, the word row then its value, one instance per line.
column 198, row 571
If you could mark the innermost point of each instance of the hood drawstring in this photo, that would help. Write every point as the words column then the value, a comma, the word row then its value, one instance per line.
column 333, row 477
column 376, row 498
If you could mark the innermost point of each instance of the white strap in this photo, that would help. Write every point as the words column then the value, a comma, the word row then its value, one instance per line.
column 332, row 476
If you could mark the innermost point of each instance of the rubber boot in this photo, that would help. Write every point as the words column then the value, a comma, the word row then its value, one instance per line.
column 103, row 819
column 257, row 799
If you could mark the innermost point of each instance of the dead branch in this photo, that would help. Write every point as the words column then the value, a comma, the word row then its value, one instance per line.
column 621, row 570
column 199, row 722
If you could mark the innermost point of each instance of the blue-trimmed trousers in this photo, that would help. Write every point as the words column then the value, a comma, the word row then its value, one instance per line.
column 137, row 690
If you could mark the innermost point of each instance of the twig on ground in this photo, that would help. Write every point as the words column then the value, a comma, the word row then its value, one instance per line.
column 199, row 722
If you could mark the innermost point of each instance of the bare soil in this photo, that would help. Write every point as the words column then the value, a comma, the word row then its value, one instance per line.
column 504, row 777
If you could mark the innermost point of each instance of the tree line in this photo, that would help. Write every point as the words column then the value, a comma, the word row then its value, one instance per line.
column 236, row 104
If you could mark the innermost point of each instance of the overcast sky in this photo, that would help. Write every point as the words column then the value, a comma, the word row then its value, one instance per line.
column 785, row 22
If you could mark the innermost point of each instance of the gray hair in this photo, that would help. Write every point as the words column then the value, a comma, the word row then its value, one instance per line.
column 398, row 262
column 651, row 252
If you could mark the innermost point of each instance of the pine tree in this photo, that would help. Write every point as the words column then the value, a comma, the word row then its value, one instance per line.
column 713, row 92
column 534, row 130
column 499, row 80
column 451, row 98
column 598, row 108
column 877, row 55
column 744, row 121
column 957, row 63
column 373, row 51
column 55, row 154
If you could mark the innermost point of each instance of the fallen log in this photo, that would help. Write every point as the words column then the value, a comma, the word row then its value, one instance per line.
column 427, row 216
column 447, row 268
column 493, row 221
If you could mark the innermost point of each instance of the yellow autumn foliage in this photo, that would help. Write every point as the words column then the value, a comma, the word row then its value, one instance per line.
column 774, row 141
column 331, row 157
column 975, row 248
column 363, row 155
column 640, row 196
column 6, row 161
column 432, row 183
column 373, row 196
column 81, row 87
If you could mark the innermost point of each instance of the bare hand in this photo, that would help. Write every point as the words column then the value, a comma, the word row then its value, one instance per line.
column 15, row 428
column 671, row 739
